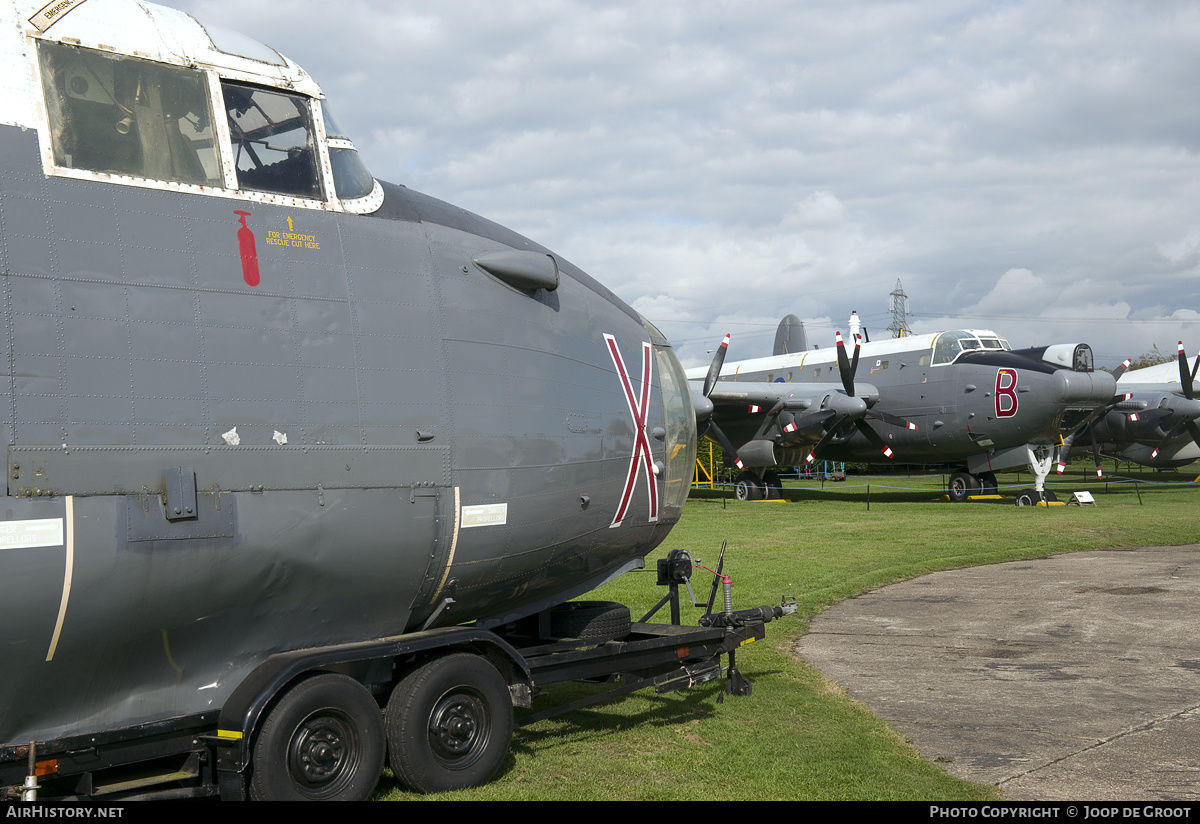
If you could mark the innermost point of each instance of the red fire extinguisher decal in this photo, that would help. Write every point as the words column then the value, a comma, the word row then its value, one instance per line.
column 247, row 249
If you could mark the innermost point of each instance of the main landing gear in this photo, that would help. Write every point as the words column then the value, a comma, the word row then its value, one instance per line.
column 1039, row 459
column 749, row 487
column 963, row 485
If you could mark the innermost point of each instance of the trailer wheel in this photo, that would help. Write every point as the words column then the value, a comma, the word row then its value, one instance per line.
column 449, row 724
column 322, row 741
column 590, row 619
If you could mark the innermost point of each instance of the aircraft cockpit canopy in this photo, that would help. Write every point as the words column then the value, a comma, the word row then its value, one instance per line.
column 138, row 121
column 121, row 115
column 949, row 346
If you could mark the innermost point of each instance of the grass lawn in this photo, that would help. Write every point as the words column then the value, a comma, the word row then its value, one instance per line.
column 797, row 736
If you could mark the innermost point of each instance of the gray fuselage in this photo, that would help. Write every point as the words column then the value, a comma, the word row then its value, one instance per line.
column 451, row 441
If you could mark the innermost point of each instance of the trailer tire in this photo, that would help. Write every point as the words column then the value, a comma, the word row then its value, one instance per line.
column 590, row 619
column 449, row 724
column 322, row 741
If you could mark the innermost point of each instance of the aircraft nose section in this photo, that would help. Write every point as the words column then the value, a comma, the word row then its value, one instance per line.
column 1087, row 388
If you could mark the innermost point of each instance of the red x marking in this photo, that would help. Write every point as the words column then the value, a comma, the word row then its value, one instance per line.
column 641, row 458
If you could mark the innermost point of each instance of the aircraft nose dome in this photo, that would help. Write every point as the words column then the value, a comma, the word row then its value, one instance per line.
column 1094, row 388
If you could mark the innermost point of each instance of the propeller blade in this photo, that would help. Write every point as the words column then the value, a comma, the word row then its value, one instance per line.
column 713, row 431
column 844, row 365
column 1149, row 414
column 1096, row 452
column 1194, row 431
column 714, row 369
column 1171, row 435
column 1064, row 451
column 807, row 420
column 888, row 417
column 1185, row 374
column 872, row 436
column 825, row 439
column 1120, row 370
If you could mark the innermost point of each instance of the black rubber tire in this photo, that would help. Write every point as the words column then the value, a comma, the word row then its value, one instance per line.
column 322, row 741
column 747, row 487
column 962, row 485
column 988, row 485
column 773, row 486
column 449, row 724
column 1031, row 497
column 590, row 619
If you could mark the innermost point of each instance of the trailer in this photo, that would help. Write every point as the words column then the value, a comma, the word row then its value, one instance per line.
column 315, row 724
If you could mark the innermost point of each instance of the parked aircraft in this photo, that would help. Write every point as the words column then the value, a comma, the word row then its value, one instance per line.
column 276, row 431
column 1153, row 420
column 961, row 397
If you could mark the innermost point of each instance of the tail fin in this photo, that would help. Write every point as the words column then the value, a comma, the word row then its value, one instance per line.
column 790, row 338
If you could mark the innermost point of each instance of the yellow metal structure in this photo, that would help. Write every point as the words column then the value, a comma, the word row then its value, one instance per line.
column 704, row 466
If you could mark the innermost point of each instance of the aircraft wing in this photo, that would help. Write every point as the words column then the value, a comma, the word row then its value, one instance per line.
column 728, row 395
column 784, row 414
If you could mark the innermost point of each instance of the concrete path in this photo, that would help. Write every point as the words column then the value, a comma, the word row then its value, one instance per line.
column 1075, row 677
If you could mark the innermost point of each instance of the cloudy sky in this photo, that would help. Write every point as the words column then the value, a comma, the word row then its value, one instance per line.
column 1030, row 167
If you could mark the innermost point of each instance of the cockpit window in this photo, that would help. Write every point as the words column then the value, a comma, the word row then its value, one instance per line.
column 148, row 123
column 1082, row 359
column 350, row 177
column 333, row 129
column 274, row 148
column 946, row 348
column 120, row 115
column 949, row 345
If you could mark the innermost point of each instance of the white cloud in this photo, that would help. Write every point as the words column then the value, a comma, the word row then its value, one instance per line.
column 1029, row 166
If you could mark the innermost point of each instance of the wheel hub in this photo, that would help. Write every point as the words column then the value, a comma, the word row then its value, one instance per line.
column 319, row 758
column 458, row 729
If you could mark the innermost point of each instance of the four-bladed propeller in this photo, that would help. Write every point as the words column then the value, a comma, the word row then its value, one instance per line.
column 1066, row 444
column 710, row 425
column 837, row 411
column 848, row 368
column 1187, row 408
column 1186, row 380
column 1064, row 447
